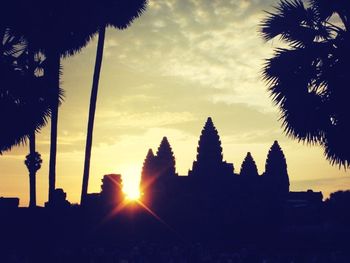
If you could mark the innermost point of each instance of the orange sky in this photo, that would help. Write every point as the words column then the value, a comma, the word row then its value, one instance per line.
column 181, row 62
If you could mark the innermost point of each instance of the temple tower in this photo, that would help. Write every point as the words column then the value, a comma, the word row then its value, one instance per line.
column 209, row 161
column 276, row 174
column 165, row 160
column 111, row 190
column 158, row 174
column 148, row 170
column 248, row 168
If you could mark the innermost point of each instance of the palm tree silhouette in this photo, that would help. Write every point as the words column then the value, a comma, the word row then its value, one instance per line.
column 33, row 162
column 69, row 37
column 57, row 29
column 308, row 79
column 23, row 94
column 118, row 14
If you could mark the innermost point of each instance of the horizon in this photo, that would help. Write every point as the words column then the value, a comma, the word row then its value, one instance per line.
column 176, row 65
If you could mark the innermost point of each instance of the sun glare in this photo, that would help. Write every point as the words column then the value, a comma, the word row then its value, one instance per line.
column 131, row 183
column 132, row 195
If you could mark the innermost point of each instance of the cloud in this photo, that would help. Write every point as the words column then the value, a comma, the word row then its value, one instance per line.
column 145, row 119
column 180, row 62
column 214, row 44
column 177, row 64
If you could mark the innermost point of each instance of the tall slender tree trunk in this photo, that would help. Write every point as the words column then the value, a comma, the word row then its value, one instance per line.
column 92, row 109
column 54, row 74
column 32, row 173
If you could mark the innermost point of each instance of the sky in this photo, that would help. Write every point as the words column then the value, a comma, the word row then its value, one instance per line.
column 179, row 63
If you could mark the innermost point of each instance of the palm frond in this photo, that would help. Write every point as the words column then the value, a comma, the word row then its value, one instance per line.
column 307, row 81
column 121, row 14
column 24, row 98
column 304, row 117
column 285, row 16
column 335, row 150
column 290, row 76
column 294, row 23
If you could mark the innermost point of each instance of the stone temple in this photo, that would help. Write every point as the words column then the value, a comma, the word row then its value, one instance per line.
column 211, row 180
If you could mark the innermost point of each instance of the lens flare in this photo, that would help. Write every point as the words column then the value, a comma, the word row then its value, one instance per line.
column 131, row 183
column 132, row 194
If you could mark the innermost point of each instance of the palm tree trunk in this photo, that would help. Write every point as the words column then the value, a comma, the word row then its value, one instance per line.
column 92, row 109
column 55, row 78
column 32, row 173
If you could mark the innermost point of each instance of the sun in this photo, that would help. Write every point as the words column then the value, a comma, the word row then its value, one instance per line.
column 133, row 195
column 131, row 183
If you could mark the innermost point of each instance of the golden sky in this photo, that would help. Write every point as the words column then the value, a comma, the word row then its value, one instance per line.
column 179, row 63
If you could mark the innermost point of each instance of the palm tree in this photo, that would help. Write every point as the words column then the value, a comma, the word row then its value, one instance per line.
column 33, row 162
column 57, row 29
column 65, row 36
column 23, row 94
column 118, row 14
column 308, row 79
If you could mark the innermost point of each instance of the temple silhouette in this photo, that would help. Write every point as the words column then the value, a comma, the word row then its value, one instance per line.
column 213, row 200
column 210, row 176
column 216, row 204
column 213, row 196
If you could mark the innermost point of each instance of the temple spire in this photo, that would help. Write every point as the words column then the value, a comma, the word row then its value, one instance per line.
column 209, row 154
column 248, row 168
column 276, row 169
column 209, row 145
column 147, row 168
column 165, row 158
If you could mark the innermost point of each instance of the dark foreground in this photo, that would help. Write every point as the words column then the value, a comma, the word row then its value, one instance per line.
column 135, row 235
